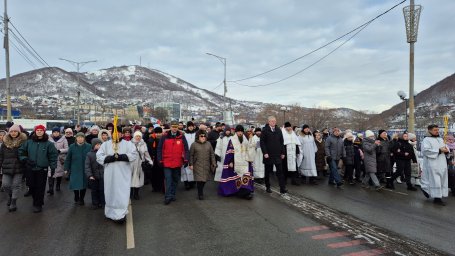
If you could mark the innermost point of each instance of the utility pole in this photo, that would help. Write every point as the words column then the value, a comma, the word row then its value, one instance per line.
column 224, row 62
column 411, row 18
column 78, row 65
column 6, row 46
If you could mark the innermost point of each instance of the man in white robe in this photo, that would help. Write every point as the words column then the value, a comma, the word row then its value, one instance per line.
column 187, row 175
column 117, row 176
column 220, row 152
column 307, row 156
column 291, row 144
column 434, row 181
column 258, row 163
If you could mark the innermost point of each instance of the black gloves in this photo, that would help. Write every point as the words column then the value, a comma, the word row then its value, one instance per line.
column 123, row 157
column 329, row 159
column 217, row 158
column 109, row 159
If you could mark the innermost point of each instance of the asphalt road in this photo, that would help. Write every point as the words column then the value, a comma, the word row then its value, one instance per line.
column 266, row 225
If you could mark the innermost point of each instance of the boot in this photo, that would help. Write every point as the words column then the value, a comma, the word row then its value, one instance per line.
column 411, row 187
column 28, row 193
column 136, row 194
column 187, row 185
column 417, row 182
column 390, row 183
column 59, row 181
column 8, row 203
column 51, row 186
column 439, row 201
column 13, row 207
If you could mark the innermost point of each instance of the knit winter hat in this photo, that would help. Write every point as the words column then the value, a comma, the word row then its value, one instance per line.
column 39, row 127
column 96, row 141
column 369, row 133
column 381, row 131
column 411, row 136
column 137, row 133
column 287, row 124
column 15, row 127
column 80, row 134
column 158, row 130
column 239, row 128
column 56, row 129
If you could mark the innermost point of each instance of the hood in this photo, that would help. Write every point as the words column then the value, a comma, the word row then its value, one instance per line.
column 11, row 142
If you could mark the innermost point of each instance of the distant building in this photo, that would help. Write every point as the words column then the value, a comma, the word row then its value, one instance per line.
column 173, row 109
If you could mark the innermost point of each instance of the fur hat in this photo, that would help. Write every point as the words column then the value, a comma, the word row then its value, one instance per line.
column 348, row 135
column 411, row 136
column 369, row 133
column 239, row 128
column 15, row 127
column 95, row 127
column 69, row 130
column 125, row 129
column 39, row 127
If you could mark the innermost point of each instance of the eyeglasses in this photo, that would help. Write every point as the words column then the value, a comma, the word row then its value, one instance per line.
column 201, row 136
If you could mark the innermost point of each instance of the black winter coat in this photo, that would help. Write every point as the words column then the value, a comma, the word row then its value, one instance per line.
column 272, row 143
column 9, row 154
column 383, row 157
column 400, row 148
column 92, row 167
column 350, row 152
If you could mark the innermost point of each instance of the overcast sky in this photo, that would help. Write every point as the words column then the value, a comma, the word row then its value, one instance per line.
column 255, row 36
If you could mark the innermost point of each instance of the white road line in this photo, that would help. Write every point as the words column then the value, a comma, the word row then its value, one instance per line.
column 129, row 228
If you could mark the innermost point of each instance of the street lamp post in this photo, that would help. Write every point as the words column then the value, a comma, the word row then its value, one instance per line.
column 402, row 96
column 285, row 109
column 411, row 18
column 78, row 65
column 223, row 61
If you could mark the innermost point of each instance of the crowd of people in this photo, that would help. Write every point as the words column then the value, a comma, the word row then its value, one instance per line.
column 116, row 162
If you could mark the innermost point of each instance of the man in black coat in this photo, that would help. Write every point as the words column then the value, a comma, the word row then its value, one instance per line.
column 272, row 146
column 213, row 135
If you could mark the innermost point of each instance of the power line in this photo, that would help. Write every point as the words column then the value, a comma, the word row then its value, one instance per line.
column 311, row 65
column 28, row 44
column 321, row 47
column 216, row 87
column 24, row 46
column 19, row 51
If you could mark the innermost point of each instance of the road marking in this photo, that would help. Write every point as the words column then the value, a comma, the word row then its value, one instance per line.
column 308, row 229
column 366, row 253
column 329, row 235
column 346, row 244
column 393, row 191
column 129, row 228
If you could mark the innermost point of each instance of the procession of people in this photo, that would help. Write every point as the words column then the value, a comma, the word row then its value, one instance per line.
column 116, row 162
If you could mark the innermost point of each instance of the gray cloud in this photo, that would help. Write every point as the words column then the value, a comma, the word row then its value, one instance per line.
column 254, row 36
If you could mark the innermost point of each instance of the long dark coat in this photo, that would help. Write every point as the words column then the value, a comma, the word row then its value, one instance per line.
column 75, row 163
column 272, row 143
column 383, row 157
column 320, row 156
column 202, row 158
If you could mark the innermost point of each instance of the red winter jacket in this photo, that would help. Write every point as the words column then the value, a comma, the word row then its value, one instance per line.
column 173, row 150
